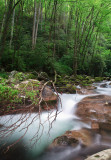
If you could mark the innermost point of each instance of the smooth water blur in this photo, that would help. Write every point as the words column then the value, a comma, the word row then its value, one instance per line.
column 103, row 90
column 38, row 140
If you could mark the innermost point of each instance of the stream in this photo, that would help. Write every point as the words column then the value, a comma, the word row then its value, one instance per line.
column 34, row 143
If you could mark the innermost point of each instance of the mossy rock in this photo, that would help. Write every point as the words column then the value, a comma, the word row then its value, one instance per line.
column 89, row 82
column 85, row 84
column 70, row 88
column 79, row 77
column 92, row 80
column 98, row 79
column 88, row 78
column 28, row 84
column 43, row 76
column 23, row 76
column 16, row 77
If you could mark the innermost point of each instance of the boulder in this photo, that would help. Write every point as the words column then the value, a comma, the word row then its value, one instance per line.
column 95, row 125
column 16, row 77
column 43, row 76
column 35, row 87
column 86, row 90
column 28, row 84
column 95, row 108
column 48, row 94
column 64, row 140
column 104, row 85
column 105, row 126
column 103, row 155
column 70, row 88
column 83, row 135
column 98, row 79
column 73, row 138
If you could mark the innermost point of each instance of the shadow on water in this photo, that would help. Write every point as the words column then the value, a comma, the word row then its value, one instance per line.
column 17, row 152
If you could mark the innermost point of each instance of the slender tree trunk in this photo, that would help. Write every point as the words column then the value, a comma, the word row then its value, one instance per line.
column 12, row 29
column 41, row 16
column 55, row 9
column 75, row 44
column 37, row 24
column 6, row 25
column 34, row 24
column 2, row 25
column 10, row 8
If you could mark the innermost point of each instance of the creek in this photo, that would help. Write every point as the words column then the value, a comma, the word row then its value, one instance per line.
column 33, row 148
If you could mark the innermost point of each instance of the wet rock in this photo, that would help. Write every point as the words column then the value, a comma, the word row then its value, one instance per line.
column 103, row 155
column 73, row 138
column 86, row 90
column 83, row 135
column 103, row 85
column 95, row 125
column 105, row 126
column 64, row 140
column 95, row 107
column 48, row 94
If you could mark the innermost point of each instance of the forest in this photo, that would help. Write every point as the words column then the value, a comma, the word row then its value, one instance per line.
column 69, row 37
column 55, row 79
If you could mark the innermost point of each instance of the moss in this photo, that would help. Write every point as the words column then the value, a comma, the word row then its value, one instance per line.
column 86, row 84
column 98, row 79
column 23, row 76
column 79, row 77
column 68, row 86
column 28, row 84
column 88, row 78
column 71, row 88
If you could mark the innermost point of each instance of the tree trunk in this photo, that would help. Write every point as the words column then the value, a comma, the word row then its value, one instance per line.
column 37, row 24
column 12, row 29
column 34, row 24
column 10, row 8
column 6, row 25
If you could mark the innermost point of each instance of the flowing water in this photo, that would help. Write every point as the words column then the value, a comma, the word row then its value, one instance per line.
column 34, row 142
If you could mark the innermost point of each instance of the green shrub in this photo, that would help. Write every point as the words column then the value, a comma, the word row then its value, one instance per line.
column 97, row 65
column 62, row 69
column 9, row 95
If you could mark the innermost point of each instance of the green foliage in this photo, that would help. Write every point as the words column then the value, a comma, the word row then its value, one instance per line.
column 4, row 75
column 9, row 95
column 32, row 95
column 12, row 96
column 62, row 69
column 97, row 65
column 60, row 38
column 98, row 79
column 23, row 76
